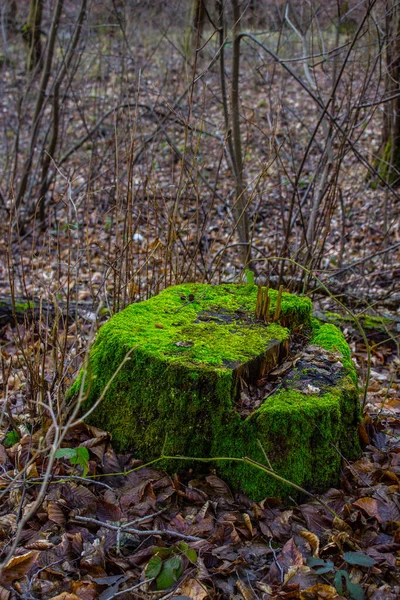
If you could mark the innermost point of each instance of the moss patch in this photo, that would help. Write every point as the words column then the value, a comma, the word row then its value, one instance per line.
column 191, row 345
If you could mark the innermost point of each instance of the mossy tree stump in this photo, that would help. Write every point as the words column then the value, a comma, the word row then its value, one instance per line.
column 193, row 348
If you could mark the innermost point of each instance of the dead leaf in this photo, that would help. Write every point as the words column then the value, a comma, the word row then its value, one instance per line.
column 246, row 592
column 320, row 591
column 56, row 513
column 65, row 596
column 341, row 525
column 363, row 436
column 3, row 455
column 220, row 487
column 370, row 507
column 193, row 589
column 85, row 590
column 4, row 594
column 300, row 575
column 313, row 540
column 108, row 512
column 18, row 566
column 39, row 545
column 247, row 521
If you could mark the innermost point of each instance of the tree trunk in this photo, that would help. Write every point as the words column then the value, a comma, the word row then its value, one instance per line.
column 389, row 153
column 31, row 35
column 199, row 16
column 8, row 16
column 196, row 27
column 240, row 212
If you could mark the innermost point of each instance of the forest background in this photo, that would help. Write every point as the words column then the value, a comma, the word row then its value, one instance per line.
column 145, row 144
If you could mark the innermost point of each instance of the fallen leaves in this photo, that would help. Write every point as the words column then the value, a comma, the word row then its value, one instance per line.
column 18, row 566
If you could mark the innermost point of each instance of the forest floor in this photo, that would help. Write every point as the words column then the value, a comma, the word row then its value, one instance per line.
column 92, row 530
column 105, row 517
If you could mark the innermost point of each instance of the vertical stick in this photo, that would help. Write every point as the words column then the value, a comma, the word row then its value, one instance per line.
column 278, row 306
column 239, row 208
column 259, row 302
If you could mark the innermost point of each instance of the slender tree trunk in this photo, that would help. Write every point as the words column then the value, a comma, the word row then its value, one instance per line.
column 389, row 153
column 40, row 102
column 196, row 26
column 8, row 17
column 56, row 109
column 31, row 35
column 240, row 207
column 199, row 15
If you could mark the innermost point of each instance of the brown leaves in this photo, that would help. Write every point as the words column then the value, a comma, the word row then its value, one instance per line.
column 194, row 590
column 18, row 566
column 56, row 513
column 381, row 509
column 107, row 511
column 320, row 591
column 66, row 596
column 4, row 594
column 313, row 540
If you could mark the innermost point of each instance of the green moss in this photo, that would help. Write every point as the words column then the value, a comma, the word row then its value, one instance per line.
column 329, row 337
column 370, row 322
column 304, row 436
column 333, row 315
column 200, row 325
column 21, row 306
column 388, row 163
column 178, row 391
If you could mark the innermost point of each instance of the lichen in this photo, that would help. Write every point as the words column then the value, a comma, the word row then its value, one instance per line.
column 181, row 398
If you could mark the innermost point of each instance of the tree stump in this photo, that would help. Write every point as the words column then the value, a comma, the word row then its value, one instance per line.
column 208, row 378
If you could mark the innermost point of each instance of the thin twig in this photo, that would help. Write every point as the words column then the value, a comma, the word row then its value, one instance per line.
column 139, row 532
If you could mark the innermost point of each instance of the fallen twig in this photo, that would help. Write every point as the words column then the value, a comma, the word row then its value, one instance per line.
column 139, row 532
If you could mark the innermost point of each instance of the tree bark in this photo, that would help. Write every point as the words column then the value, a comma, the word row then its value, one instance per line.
column 31, row 35
column 8, row 17
column 196, row 26
column 389, row 152
column 240, row 212
column 40, row 102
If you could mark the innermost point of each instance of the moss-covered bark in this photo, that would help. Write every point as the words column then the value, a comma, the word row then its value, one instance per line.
column 190, row 348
